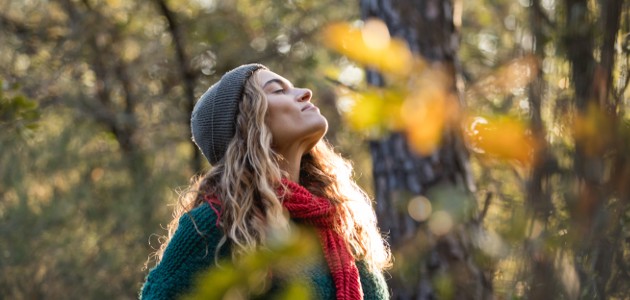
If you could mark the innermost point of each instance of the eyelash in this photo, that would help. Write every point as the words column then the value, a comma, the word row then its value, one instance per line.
column 280, row 91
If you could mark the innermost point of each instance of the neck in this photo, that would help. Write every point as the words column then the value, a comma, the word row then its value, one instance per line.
column 292, row 159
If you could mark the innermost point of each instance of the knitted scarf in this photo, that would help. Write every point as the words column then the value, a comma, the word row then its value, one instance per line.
column 319, row 212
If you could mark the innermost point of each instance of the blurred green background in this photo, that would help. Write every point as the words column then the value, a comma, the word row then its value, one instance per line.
column 94, row 139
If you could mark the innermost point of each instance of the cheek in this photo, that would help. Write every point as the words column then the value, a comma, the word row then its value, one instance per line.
column 276, row 120
column 281, row 113
column 272, row 124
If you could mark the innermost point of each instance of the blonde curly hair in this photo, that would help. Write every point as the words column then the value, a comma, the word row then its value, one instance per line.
column 245, row 181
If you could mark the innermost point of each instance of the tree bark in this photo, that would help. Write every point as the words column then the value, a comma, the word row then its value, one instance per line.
column 424, row 261
column 538, row 196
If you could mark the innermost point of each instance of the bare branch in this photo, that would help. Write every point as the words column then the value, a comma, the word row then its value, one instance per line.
column 188, row 75
column 486, row 206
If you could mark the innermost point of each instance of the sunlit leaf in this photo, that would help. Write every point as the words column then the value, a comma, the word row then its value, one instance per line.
column 425, row 115
column 370, row 45
column 250, row 275
column 366, row 112
column 503, row 138
column 374, row 109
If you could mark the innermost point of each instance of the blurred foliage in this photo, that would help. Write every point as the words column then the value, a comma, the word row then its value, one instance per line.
column 17, row 113
column 549, row 171
column 253, row 276
column 503, row 137
column 94, row 138
column 370, row 45
column 86, row 194
column 425, row 106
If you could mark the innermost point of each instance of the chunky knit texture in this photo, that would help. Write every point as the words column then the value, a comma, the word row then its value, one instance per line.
column 189, row 253
column 213, row 119
column 319, row 212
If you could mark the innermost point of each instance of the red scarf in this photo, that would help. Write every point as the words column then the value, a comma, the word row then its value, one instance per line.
column 319, row 212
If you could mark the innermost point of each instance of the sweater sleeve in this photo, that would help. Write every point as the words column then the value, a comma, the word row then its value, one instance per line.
column 373, row 283
column 187, row 253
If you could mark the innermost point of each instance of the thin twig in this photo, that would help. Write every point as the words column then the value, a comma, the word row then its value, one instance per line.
column 486, row 206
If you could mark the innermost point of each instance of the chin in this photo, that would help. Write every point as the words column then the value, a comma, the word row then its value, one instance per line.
column 323, row 129
column 324, row 125
column 317, row 135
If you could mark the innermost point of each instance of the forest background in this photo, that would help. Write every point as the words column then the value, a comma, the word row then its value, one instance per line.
column 95, row 99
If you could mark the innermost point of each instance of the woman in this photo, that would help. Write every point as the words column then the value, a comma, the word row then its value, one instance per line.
column 263, row 137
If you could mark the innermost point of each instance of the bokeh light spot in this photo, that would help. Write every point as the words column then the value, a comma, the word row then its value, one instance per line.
column 440, row 223
column 419, row 208
column 375, row 34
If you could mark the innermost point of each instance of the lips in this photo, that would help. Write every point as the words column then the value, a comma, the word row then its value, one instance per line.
column 308, row 106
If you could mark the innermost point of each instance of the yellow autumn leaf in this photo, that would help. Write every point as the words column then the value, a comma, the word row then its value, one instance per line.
column 330, row 71
column 374, row 108
column 503, row 138
column 366, row 112
column 425, row 115
column 370, row 45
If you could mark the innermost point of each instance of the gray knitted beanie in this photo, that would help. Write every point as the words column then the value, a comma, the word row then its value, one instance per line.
column 213, row 119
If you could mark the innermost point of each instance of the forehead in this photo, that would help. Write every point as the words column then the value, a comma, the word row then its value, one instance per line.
column 264, row 76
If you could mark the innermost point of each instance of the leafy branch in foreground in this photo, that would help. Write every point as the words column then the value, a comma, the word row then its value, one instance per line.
column 255, row 275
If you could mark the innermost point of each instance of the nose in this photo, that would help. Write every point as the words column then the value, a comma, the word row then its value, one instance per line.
column 305, row 95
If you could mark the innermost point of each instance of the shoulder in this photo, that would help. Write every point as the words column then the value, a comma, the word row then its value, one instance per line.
column 196, row 237
column 200, row 223
column 190, row 250
column 373, row 283
column 203, row 219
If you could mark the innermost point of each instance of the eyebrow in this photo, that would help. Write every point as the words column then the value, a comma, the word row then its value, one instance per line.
column 276, row 80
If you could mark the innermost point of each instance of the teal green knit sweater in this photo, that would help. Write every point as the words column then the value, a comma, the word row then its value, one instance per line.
column 188, row 253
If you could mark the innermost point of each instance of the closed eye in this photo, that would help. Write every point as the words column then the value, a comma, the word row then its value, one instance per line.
column 277, row 86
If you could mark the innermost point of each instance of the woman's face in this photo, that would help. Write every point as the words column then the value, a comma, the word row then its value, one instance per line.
column 293, row 120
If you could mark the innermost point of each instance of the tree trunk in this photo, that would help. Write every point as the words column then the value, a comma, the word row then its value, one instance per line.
column 538, row 196
column 187, row 73
column 427, row 266
column 592, row 81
